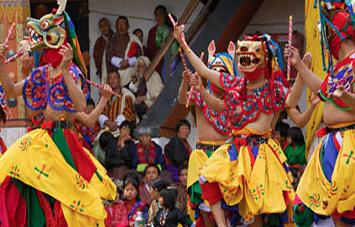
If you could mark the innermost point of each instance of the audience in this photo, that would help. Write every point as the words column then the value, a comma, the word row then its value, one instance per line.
column 147, row 90
column 123, row 50
column 169, row 215
column 147, row 151
column 100, row 48
column 280, row 133
column 124, row 211
column 181, row 187
column 160, row 14
column 178, row 150
column 118, row 109
column 150, row 174
column 157, row 186
column 295, row 153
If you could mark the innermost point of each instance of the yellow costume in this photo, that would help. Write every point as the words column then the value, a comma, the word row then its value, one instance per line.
column 36, row 161
column 252, row 176
column 332, row 166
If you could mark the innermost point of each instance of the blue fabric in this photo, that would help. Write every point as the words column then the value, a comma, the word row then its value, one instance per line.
column 255, row 150
column 330, row 156
column 233, row 154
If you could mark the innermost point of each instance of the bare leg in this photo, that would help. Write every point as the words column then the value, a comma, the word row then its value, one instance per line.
column 339, row 223
column 258, row 222
column 218, row 214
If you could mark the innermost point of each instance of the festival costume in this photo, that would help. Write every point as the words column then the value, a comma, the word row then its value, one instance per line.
column 332, row 164
column 3, row 117
column 251, row 171
column 64, row 184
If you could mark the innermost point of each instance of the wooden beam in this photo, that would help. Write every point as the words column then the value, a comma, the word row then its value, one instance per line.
column 189, row 9
column 238, row 23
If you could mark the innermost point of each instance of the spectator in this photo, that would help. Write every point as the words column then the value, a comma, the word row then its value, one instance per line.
column 280, row 133
column 123, row 212
column 147, row 90
column 169, row 215
column 147, row 151
column 157, row 186
column 120, row 108
column 119, row 154
column 139, row 33
column 100, row 47
column 295, row 153
column 122, row 51
column 87, row 134
column 160, row 14
column 150, row 174
column 181, row 188
column 178, row 150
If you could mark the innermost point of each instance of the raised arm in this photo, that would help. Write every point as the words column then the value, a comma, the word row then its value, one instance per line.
column 312, row 80
column 12, row 90
column 74, row 89
column 89, row 120
column 183, row 96
column 196, row 62
column 297, row 88
column 212, row 101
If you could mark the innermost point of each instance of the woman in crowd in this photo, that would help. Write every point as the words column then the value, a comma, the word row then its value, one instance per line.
column 150, row 174
column 157, row 186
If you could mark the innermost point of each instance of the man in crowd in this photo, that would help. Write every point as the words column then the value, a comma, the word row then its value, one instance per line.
column 120, row 108
column 122, row 51
column 100, row 47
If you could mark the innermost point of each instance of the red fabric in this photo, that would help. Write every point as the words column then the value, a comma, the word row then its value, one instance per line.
column 350, row 60
column 339, row 20
column 46, row 208
column 12, row 205
column 133, row 50
column 3, row 147
column 59, row 215
column 252, row 76
column 211, row 192
column 152, row 48
column 141, row 154
column 83, row 163
column 51, row 56
column 347, row 214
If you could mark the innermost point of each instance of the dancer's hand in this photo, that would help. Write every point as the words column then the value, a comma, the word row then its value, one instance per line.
column 186, row 76
column 196, row 82
column 106, row 92
column 67, row 52
column 27, row 63
column 179, row 32
column 307, row 59
column 338, row 93
column 292, row 53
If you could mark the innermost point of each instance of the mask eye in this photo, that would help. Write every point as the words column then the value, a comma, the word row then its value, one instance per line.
column 44, row 24
column 257, row 49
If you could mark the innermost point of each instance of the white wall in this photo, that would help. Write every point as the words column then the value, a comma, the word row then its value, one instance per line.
column 140, row 14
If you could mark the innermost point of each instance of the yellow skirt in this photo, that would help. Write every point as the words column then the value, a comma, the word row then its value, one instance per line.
column 257, row 189
column 36, row 161
column 325, row 188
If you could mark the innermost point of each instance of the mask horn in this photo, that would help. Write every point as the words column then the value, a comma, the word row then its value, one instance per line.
column 231, row 49
column 211, row 51
column 62, row 4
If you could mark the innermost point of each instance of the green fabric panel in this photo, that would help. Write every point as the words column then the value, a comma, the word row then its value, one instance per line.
column 304, row 218
column 296, row 156
column 195, row 193
column 60, row 141
column 35, row 215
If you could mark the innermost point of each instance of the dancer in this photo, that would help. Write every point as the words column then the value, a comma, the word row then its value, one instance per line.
column 212, row 129
column 46, row 177
column 250, row 172
column 332, row 164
